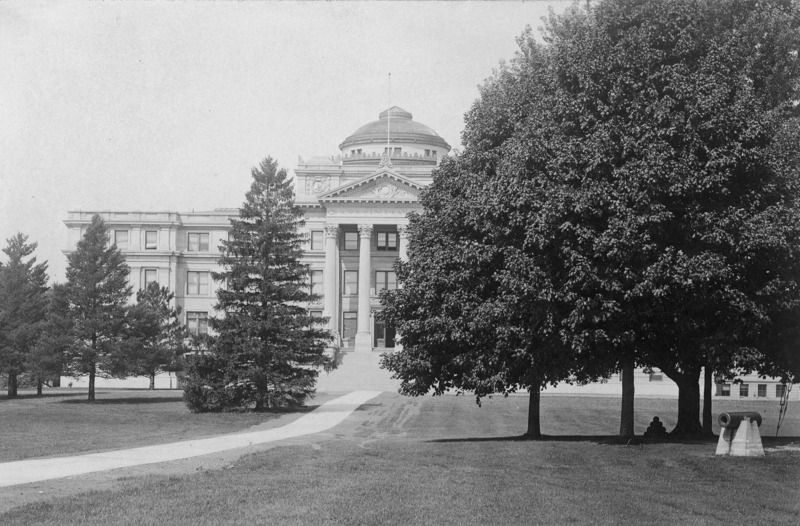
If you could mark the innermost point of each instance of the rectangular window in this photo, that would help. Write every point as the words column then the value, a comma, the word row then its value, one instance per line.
column 350, row 283
column 387, row 241
column 317, row 240
column 121, row 239
column 779, row 390
column 151, row 239
column 197, row 323
column 316, row 282
column 762, row 390
column 349, row 326
column 197, row 283
column 150, row 275
column 351, row 240
column 656, row 377
column 398, row 151
column 198, row 242
column 385, row 279
column 316, row 314
column 744, row 390
column 723, row 389
column 427, row 153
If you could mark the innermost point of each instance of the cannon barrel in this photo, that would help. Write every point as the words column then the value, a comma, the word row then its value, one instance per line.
column 733, row 419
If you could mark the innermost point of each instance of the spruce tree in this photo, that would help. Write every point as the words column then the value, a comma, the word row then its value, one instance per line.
column 98, row 292
column 23, row 288
column 46, row 359
column 156, row 332
column 268, row 348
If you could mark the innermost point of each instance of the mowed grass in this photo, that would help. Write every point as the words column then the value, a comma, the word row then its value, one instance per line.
column 62, row 421
column 446, row 461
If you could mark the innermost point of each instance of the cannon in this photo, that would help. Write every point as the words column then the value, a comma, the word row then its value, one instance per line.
column 733, row 419
column 740, row 436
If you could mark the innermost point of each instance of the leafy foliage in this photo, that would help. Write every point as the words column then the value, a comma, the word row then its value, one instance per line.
column 268, row 348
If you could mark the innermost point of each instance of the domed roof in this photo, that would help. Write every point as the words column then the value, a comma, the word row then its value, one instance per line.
column 403, row 129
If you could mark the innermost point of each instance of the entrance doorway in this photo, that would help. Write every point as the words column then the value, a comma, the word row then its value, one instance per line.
column 349, row 328
column 384, row 334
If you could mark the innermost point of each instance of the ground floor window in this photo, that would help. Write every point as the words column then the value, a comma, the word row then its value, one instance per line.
column 744, row 390
column 762, row 390
column 723, row 389
column 384, row 334
column 779, row 390
column 349, row 327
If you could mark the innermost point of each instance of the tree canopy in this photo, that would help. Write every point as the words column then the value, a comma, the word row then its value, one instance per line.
column 633, row 185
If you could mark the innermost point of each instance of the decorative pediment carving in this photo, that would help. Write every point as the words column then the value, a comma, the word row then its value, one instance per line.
column 380, row 187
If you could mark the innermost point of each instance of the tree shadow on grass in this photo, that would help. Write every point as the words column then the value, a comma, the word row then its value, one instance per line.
column 606, row 440
column 125, row 401
column 43, row 396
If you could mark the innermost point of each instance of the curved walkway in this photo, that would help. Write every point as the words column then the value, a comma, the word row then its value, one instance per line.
column 324, row 417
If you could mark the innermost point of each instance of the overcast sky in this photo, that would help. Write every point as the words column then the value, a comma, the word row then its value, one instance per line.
column 168, row 105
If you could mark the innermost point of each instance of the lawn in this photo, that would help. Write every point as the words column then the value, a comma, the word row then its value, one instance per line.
column 446, row 461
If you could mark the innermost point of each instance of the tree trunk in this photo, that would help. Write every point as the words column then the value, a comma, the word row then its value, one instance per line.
column 152, row 381
column 12, row 384
column 39, row 383
column 92, row 372
column 688, row 404
column 534, row 423
column 709, row 380
column 626, row 416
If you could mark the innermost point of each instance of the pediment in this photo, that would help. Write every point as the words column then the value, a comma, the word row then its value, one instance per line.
column 383, row 186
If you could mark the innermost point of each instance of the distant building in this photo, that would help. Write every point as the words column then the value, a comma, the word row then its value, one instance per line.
column 356, row 205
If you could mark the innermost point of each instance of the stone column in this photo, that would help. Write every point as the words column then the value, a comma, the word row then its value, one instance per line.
column 402, row 243
column 363, row 337
column 329, row 290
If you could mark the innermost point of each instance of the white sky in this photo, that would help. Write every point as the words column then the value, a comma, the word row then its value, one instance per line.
column 168, row 105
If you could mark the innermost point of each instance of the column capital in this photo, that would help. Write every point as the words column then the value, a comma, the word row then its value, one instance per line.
column 331, row 230
column 365, row 231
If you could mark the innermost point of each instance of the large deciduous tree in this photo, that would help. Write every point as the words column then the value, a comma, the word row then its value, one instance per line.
column 23, row 301
column 268, row 348
column 630, row 181
column 98, row 292
column 156, row 332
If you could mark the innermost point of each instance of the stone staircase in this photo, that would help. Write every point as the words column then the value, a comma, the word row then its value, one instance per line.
column 358, row 371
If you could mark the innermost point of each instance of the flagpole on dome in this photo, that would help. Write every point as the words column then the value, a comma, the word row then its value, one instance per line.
column 389, row 117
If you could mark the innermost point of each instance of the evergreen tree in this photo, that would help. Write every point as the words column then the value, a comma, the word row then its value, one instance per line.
column 98, row 291
column 46, row 360
column 156, row 332
column 23, row 288
column 268, row 348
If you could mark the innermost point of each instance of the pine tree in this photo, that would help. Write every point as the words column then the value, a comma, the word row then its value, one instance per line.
column 23, row 288
column 98, row 291
column 46, row 359
column 269, row 348
column 156, row 332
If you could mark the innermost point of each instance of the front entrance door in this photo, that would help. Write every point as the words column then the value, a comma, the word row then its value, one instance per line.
column 384, row 334
column 349, row 328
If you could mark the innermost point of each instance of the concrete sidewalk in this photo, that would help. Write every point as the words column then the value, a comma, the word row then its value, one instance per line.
column 324, row 417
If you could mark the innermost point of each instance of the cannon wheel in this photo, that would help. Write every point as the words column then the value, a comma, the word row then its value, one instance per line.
column 787, row 387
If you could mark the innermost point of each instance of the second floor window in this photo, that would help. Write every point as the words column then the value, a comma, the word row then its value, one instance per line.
column 316, row 282
column 197, row 283
column 150, row 275
column 197, row 323
column 350, row 283
column 121, row 239
column 385, row 279
column 198, row 242
column 317, row 240
column 151, row 239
